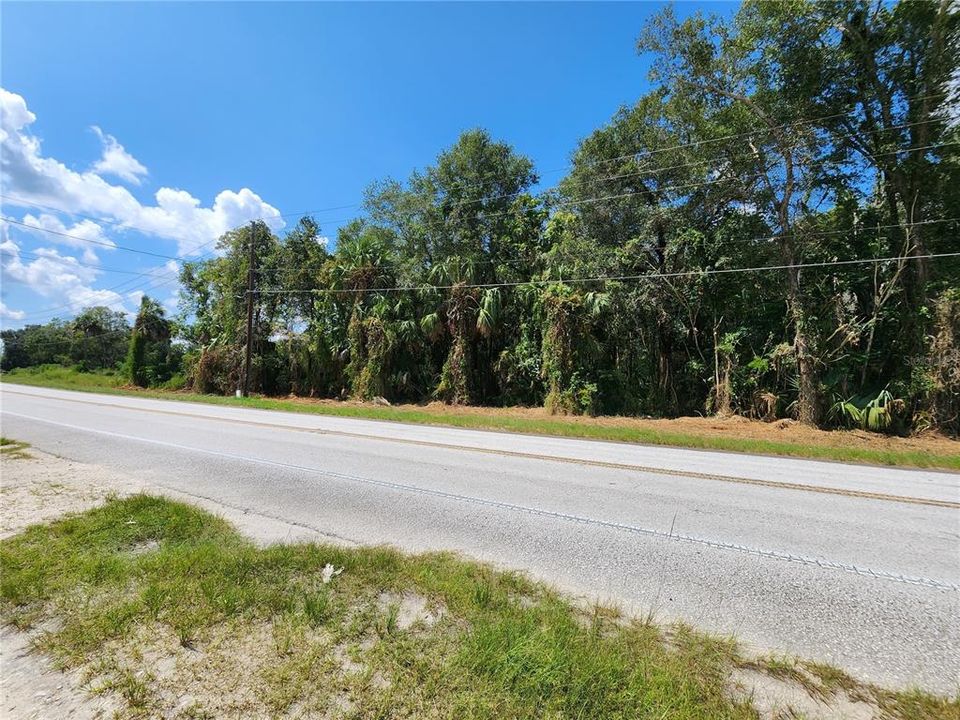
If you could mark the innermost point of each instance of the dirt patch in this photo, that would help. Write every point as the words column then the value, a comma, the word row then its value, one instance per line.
column 31, row 688
column 733, row 426
column 237, row 669
column 36, row 489
column 410, row 609
column 43, row 487
column 781, row 699
column 148, row 546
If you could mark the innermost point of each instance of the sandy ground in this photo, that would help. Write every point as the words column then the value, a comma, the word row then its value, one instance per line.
column 42, row 487
column 783, row 430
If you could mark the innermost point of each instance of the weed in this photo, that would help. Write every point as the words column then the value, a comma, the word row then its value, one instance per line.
column 387, row 622
column 14, row 449
column 317, row 606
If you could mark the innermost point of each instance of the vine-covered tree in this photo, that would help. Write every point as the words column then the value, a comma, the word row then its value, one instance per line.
column 152, row 359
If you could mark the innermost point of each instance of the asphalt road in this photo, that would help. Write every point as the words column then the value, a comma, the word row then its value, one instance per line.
column 853, row 565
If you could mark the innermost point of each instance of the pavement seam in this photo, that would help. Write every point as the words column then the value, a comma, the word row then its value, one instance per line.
column 635, row 529
column 775, row 484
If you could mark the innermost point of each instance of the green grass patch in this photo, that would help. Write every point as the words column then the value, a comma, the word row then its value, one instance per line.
column 71, row 379
column 65, row 378
column 14, row 449
column 156, row 599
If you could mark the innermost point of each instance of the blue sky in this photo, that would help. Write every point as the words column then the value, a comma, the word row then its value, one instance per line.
column 158, row 125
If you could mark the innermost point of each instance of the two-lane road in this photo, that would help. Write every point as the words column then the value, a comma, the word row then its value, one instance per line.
column 858, row 566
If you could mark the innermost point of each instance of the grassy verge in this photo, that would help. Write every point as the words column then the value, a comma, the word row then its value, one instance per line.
column 157, row 601
column 826, row 448
column 14, row 449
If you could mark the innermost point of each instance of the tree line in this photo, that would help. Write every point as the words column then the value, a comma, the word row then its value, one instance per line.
column 766, row 232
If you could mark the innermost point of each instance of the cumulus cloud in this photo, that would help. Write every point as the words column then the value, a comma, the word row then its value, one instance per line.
column 116, row 160
column 176, row 215
column 10, row 314
column 78, row 235
column 55, row 277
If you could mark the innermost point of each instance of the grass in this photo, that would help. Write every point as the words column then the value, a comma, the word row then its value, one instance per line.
column 827, row 449
column 14, row 449
column 66, row 378
column 157, row 600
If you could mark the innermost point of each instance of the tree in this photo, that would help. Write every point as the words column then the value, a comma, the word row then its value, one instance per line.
column 98, row 338
column 214, row 295
column 151, row 359
column 750, row 237
column 36, row 345
column 733, row 81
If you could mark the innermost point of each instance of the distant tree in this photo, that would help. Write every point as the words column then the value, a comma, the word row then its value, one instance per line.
column 98, row 338
column 36, row 345
column 151, row 358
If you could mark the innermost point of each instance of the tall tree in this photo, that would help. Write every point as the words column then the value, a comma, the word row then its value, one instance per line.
column 732, row 81
column 151, row 359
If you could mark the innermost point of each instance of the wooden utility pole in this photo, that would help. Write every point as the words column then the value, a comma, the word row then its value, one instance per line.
column 251, row 274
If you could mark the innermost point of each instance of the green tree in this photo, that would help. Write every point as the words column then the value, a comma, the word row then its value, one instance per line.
column 151, row 358
column 98, row 338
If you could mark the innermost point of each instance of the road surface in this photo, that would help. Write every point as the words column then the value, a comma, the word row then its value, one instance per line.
column 853, row 565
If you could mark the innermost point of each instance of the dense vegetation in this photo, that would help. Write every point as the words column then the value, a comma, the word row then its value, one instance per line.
column 812, row 139
column 101, row 339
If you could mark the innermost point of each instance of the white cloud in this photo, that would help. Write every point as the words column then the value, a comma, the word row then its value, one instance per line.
column 9, row 313
column 178, row 216
column 57, row 278
column 116, row 160
column 51, row 229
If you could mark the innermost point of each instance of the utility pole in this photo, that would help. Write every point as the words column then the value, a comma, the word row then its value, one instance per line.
column 251, row 274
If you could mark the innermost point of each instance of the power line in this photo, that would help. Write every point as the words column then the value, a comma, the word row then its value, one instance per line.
column 102, row 243
column 80, row 304
column 588, row 200
column 64, row 342
column 562, row 204
column 696, row 143
column 678, row 146
column 761, row 238
column 737, row 136
column 651, row 172
column 706, row 161
column 124, row 286
column 70, row 262
column 121, row 224
column 613, row 278
column 571, row 281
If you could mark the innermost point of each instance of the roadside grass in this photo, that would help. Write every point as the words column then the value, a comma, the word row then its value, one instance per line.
column 14, row 449
column 65, row 378
column 830, row 449
column 158, row 602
